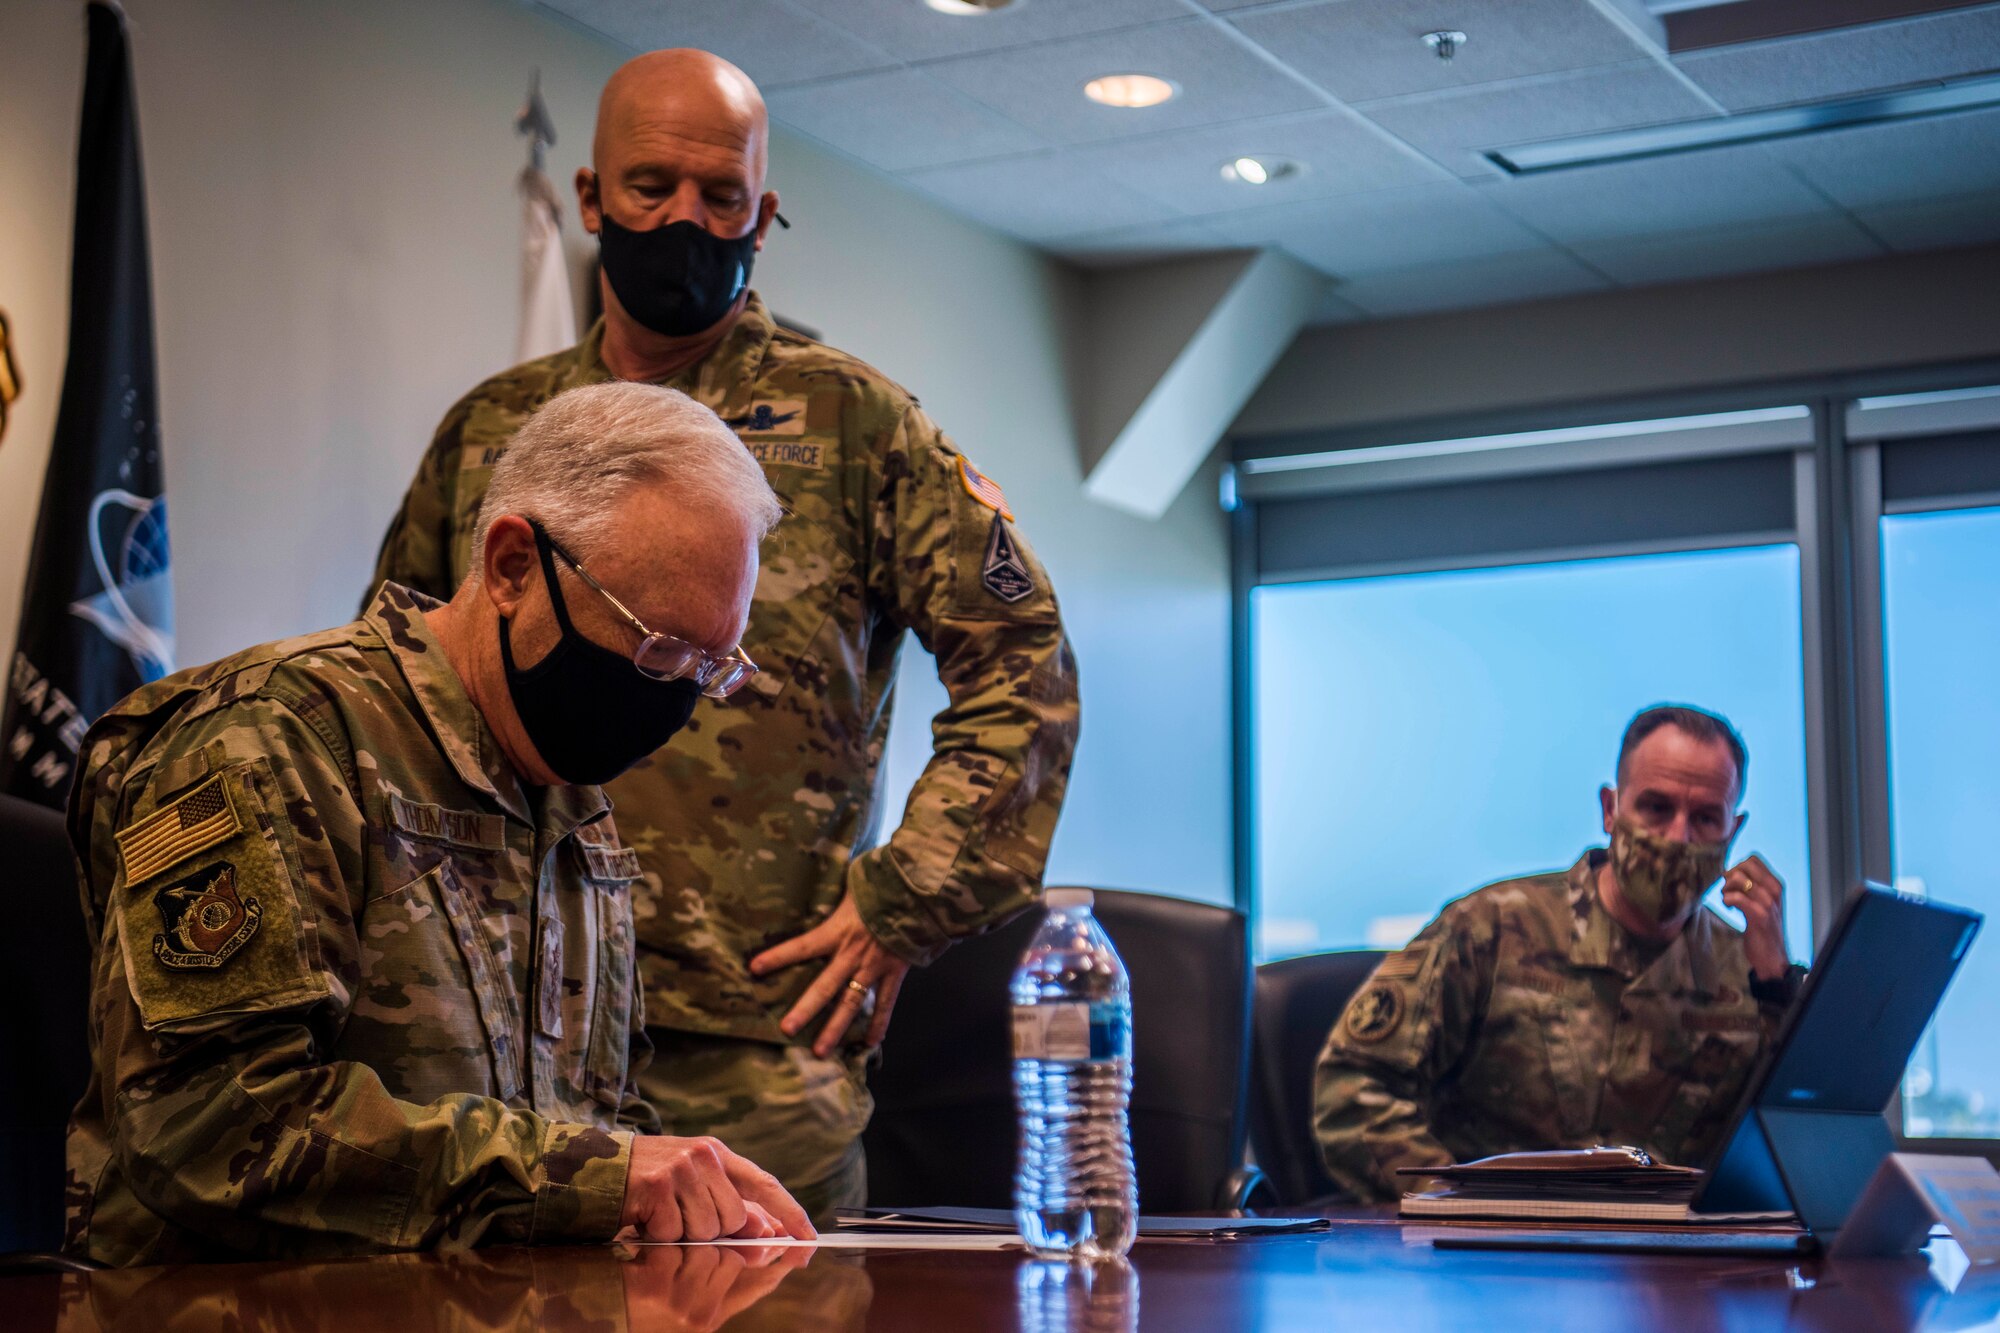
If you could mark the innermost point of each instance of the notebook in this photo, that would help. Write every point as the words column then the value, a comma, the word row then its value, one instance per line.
column 1611, row 1184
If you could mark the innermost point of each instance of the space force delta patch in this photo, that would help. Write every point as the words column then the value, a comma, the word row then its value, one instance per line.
column 1005, row 574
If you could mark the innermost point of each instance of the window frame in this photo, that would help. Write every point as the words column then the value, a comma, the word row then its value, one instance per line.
column 1837, row 506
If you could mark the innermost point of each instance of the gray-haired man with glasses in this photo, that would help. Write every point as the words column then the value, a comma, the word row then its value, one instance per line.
column 365, row 975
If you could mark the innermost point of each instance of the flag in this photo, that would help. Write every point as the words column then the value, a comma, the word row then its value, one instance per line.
column 548, row 318
column 97, row 620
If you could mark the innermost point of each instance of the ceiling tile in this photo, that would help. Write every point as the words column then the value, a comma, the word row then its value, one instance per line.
column 1936, row 224
column 1849, row 60
column 1452, row 127
column 1037, row 198
column 913, row 30
column 1139, row 245
column 1361, row 233
column 899, row 120
column 1883, row 164
column 1042, row 87
column 1363, row 49
column 1751, row 248
column 769, row 40
column 1427, row 288
column 1690, row 191
column 1340, row 154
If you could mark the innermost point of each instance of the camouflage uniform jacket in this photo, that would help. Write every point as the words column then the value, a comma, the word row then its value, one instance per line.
column 1525, row 1017
column 355, row 986
column 747, row 825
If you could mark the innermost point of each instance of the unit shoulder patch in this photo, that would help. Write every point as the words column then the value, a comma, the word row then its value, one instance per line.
column 179, row 830
column 1005, row 574
column 1375, row 1014
column 206, row 921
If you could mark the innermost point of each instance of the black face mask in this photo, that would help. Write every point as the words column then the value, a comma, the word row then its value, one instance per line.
column 589, row 711
column 678, row 279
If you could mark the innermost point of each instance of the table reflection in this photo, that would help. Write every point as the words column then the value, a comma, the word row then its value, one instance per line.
column 1054, row 1297
column 653, row 1288
column 1377, row 1276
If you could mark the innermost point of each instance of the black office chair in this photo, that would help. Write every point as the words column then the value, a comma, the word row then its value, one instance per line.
column 1297, row 1001
column 44, row 1049
column 943, row 1132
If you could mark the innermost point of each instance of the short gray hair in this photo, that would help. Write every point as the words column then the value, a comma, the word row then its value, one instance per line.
column 570, row 464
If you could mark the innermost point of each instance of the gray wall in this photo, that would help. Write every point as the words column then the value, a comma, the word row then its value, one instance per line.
column 335, row 260
column 1904, row 311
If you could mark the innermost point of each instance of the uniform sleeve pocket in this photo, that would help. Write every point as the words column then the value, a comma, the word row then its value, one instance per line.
column 610, row 873
column 210, row 905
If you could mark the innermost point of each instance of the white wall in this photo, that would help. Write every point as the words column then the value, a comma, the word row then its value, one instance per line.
column 1909, row 310
column 334, row 247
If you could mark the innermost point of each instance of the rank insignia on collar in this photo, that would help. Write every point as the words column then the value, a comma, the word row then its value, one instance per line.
column 1006, row 574
column 206, row 922
column 1375, row 1013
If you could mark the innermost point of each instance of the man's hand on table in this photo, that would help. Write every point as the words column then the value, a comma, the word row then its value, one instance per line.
column 697, row 1189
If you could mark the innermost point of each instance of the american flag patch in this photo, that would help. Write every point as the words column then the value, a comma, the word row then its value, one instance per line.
column 984, row 489
column 170, row 835
column 1405, row 964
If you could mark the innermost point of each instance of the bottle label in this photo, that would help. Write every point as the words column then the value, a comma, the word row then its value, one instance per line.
column 1072, row 1032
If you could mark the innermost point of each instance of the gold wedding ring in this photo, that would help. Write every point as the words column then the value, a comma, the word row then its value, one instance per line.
column 857, row 987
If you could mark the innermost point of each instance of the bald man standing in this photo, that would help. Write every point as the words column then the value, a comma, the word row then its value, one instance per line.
column 774, row 931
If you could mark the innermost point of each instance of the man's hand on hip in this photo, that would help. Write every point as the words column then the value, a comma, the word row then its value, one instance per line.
column 697, row 1189
column 860, row 973
column 1754, row 890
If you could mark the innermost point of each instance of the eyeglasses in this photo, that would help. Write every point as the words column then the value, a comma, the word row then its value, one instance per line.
column 662, row 656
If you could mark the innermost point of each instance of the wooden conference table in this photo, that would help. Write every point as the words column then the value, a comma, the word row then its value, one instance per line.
column 1364, row 1274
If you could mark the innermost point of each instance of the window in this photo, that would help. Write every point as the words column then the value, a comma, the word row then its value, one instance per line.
column 1941, row 634
column 1419, row 735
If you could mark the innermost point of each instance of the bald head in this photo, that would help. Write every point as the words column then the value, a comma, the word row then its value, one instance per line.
column 692, row 98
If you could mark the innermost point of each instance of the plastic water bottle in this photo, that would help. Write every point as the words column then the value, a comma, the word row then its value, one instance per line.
column 1075, row 1195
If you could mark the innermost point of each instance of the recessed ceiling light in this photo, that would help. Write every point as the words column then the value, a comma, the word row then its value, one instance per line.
column 1259, row 170
column 967, row 8
column 1129, row 90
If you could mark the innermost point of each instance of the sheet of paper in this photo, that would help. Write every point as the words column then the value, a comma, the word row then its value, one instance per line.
column 869, row 1240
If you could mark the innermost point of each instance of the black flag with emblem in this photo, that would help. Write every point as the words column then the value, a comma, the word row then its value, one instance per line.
column 97, row 620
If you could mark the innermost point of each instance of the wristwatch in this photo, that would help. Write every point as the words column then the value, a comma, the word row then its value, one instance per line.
column 1780, row 990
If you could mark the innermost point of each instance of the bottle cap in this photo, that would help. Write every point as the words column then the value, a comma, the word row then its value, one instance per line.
column 1060, row 900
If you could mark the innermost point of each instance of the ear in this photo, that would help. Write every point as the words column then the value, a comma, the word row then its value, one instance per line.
column 508, row 569
column 1742, row 818
column 1607, row 800
column 767, row 210
column 588, row 206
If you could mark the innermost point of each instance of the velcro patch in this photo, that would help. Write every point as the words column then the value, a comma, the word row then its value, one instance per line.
column 173, row 833
column 1405, row 964
column 785, row 417
column 460, row 828
column 1005, row 574
column 1374, row 1014
column 205, row 919
column 983, row 489
column 790, row 453
column 616, row 863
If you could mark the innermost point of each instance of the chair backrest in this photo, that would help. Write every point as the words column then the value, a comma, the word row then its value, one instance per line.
column 44, row 1042
column 1297, row 1002
column 943, row 1132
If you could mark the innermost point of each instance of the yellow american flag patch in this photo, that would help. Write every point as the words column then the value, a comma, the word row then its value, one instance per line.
column 173, row 833
column 984, row 489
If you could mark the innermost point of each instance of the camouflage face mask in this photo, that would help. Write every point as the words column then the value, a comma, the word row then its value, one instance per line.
column 1661, row 878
